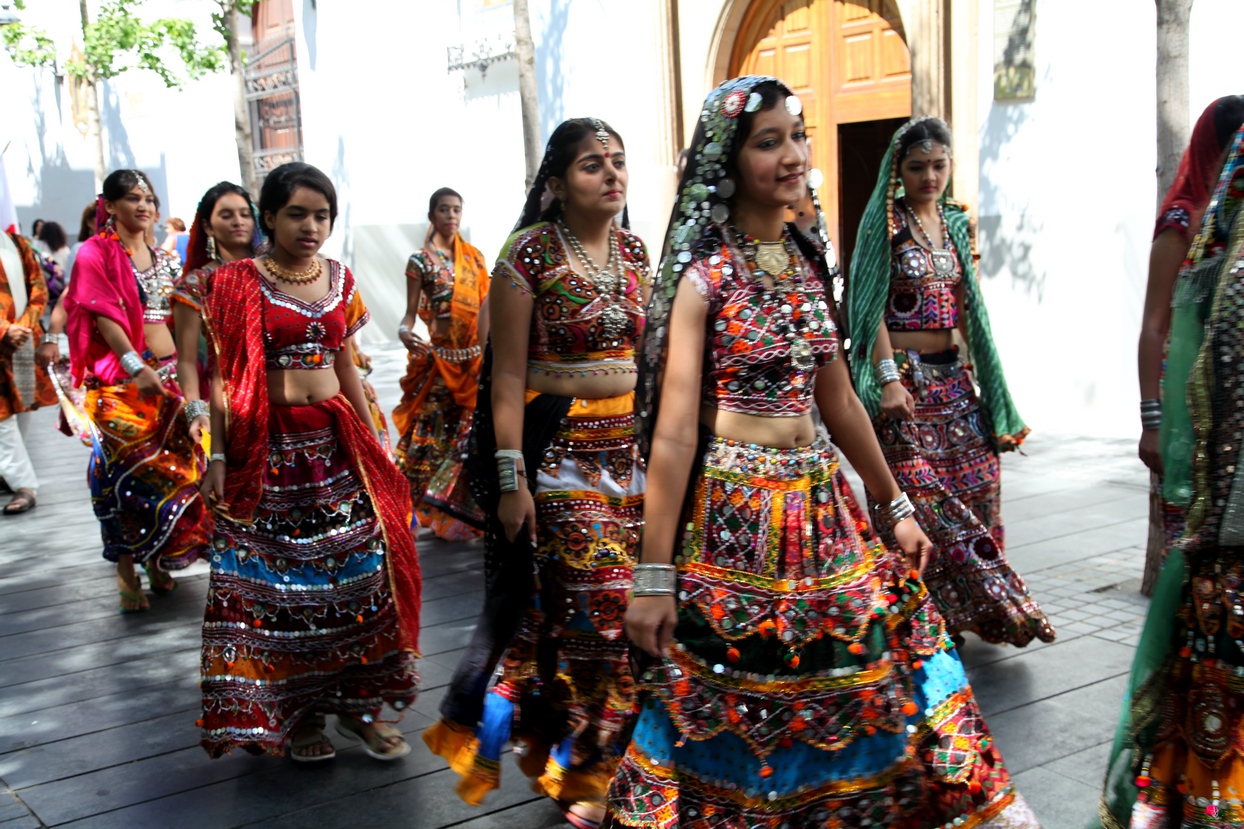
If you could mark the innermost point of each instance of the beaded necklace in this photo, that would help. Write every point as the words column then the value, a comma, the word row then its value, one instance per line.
column 787, row 295
column 943, row 260
column 607, row 283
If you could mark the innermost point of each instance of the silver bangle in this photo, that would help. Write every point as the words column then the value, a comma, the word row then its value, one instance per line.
column 132, row 363
column 216, row 456
column 402, row 329
column 655, row 580
column 886, row 372
column 49, row 338
column 516, row 454
column 196, row 408
column 1151, row 414
column 900, row 509
column 508, row 474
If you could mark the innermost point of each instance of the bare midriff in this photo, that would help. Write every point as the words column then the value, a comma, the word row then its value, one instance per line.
column 926, row 342
column 591, row 387
column 302, row 387
column 159, row 339
column 762, row 430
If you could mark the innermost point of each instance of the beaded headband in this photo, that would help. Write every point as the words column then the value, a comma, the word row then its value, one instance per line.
column 927, row 144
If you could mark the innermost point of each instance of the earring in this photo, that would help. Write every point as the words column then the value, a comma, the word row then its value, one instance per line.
column 211, row 248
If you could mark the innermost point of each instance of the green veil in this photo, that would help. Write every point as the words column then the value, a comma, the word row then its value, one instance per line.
column 868, row 284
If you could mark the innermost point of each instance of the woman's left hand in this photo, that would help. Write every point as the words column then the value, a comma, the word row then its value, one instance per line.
column 914, row 543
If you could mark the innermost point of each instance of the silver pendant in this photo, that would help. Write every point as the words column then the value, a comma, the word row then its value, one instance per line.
column 613, row 321
column 943, row 262
column 772, row 258
column 801, row 356
column 605, row 282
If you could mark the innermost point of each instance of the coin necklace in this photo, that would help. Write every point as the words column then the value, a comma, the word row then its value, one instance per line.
column 612, row 319
column 293, row 277
column 787, row 276
column 943, row 260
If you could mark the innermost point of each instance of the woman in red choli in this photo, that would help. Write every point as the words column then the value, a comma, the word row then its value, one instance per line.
column 313, row 604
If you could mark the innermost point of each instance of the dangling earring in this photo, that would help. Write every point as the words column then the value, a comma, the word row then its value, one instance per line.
column 211, row 248
column 110, row 225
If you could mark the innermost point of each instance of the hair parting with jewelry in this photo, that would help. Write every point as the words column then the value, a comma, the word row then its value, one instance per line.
column 120, row 182
column 281, row 183
column 559, row 154
column 927, row 132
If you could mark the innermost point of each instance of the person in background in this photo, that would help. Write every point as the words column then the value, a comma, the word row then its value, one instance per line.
column 55, row 245
column 86, row 229
column 36, row 227
column 176, row 238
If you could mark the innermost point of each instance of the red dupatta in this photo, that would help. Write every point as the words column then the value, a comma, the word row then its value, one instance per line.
column 1195, row 179
column 234, row 322
column 102, row 285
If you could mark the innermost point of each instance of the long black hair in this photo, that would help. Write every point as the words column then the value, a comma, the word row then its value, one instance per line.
column 559, row 154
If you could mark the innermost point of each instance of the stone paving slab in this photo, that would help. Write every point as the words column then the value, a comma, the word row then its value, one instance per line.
column 97, row 710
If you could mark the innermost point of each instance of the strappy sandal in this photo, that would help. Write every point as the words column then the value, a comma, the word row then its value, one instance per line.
column 161, row 583
column 311, row 732
column 23, row 501
column 353, row 728
column 132, row 600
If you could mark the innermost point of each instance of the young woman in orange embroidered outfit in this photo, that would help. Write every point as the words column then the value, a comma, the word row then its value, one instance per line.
column 313, row 602
column 446, row 288
column 558, row 474
column 912, row 286
column 801, row 677
column 144, row 469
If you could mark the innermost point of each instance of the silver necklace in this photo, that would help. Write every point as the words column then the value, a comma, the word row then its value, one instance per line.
column 607, row 283
column 787, row 295
column 943, row 260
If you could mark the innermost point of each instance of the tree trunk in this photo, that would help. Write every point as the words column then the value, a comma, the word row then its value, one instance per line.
column 95, row 127
column 1174, row 130
column 528, row 95
column 241, row 116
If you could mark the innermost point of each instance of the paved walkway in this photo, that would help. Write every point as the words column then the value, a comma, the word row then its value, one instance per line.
column 97, row 710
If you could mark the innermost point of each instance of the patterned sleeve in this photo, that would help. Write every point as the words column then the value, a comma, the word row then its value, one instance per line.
column 637, row 252
column 522, row 259
column 356, row 312
column 437, row 291
column 705, row 280
column 1176, row 217
column 189, row 288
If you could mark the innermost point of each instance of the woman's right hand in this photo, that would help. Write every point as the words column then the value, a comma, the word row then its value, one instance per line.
column 897, row 403
column 46, row 354
column 650, row 622
column 1150, row 452
column 212, row 488
column 414, row 343
column 198, row 426
column 149, row 383
column 517, row 509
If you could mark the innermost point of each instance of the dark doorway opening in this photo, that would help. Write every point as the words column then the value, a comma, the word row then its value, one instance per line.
column 861, row 146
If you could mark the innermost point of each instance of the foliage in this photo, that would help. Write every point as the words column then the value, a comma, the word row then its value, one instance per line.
column 243, row 7
column 27, row 45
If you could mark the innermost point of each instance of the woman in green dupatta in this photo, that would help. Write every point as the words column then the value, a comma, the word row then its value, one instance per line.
column 1176, row 759
column 912, row 285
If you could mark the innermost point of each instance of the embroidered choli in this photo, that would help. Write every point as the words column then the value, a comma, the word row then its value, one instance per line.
column 923, row 282
column 748, row 365
column 157, row 286
column 190, row 288
column 570, row 334
column 308, row 335
column 436, row 281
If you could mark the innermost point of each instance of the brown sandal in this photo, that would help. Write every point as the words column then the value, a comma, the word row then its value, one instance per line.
column 23, row 501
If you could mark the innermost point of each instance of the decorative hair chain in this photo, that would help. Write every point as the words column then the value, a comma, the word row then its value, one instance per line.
column 602, row 135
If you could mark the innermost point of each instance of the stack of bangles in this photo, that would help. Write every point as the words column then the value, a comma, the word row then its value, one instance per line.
column 196, row 408
column 132, row 363
column 900, row 509
column 1150, row 414
column 509, row 469
column 886, row 372
column 654, row 580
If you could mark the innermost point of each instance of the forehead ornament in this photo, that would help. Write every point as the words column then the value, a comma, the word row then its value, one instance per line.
column 602, row 135
column 793, row 105
column 142, row 182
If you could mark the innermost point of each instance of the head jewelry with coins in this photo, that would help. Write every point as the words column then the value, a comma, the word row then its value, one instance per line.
column 701, row 215
column 559, row 153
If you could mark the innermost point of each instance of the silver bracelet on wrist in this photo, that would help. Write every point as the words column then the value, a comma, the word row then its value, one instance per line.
column 132, row 363
column 900, row 509
column 655, row 580
column 216, row 456
column 509, row 470
column 402, row 329
column 1151, row 414
column 49, row 338
column 885, row 372
column 196, row 408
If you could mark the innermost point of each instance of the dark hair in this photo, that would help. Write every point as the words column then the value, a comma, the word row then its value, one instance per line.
column 440, row 194
column 207, row 204
column 86, row 226
column 1228, row 117
column 559, row 154
column 35, row 227
column 771, row 93
column 281, row 183
column 176, row 223
column 120, row 182
column 927, row 130
column 53, row 235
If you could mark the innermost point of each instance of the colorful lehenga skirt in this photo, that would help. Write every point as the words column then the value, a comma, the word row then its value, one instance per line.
column 431, row 453
column 144, row 474
column 300, row 616
column 564, row 689
column 811, row 683
column 945, row 461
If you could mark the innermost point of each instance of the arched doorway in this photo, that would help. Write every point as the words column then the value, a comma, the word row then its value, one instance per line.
column 848, row 62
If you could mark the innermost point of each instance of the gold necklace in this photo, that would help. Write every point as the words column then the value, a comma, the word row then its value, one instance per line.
column 293, row 277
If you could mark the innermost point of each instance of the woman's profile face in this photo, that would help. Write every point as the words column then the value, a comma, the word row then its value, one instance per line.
column 925, row 172
column 595, row 182
column 772, row 162
column 447, row 217
column 232, row 224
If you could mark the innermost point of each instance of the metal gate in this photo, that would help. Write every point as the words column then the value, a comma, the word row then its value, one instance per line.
column 275, row 108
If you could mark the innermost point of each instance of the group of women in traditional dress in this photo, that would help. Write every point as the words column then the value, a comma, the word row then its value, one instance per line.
column 689, row 619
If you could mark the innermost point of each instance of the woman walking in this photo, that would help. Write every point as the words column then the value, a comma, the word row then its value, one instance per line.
column 144, row 469
column 223, row 231
column 799, row 676
column 912, row 286
column 447, row 283
column 313, row 601
column 560, row 479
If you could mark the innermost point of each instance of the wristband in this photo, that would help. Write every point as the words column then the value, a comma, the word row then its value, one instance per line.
column 900, row 509
column 508, row 474
column 655, row 580
column 886, row 372
column 49, row 338
column 1151, row 414
column 216, row 456
column 132, row 363
column 196, row 408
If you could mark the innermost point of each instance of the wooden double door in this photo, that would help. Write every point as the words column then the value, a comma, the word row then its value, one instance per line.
column 848, row 62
